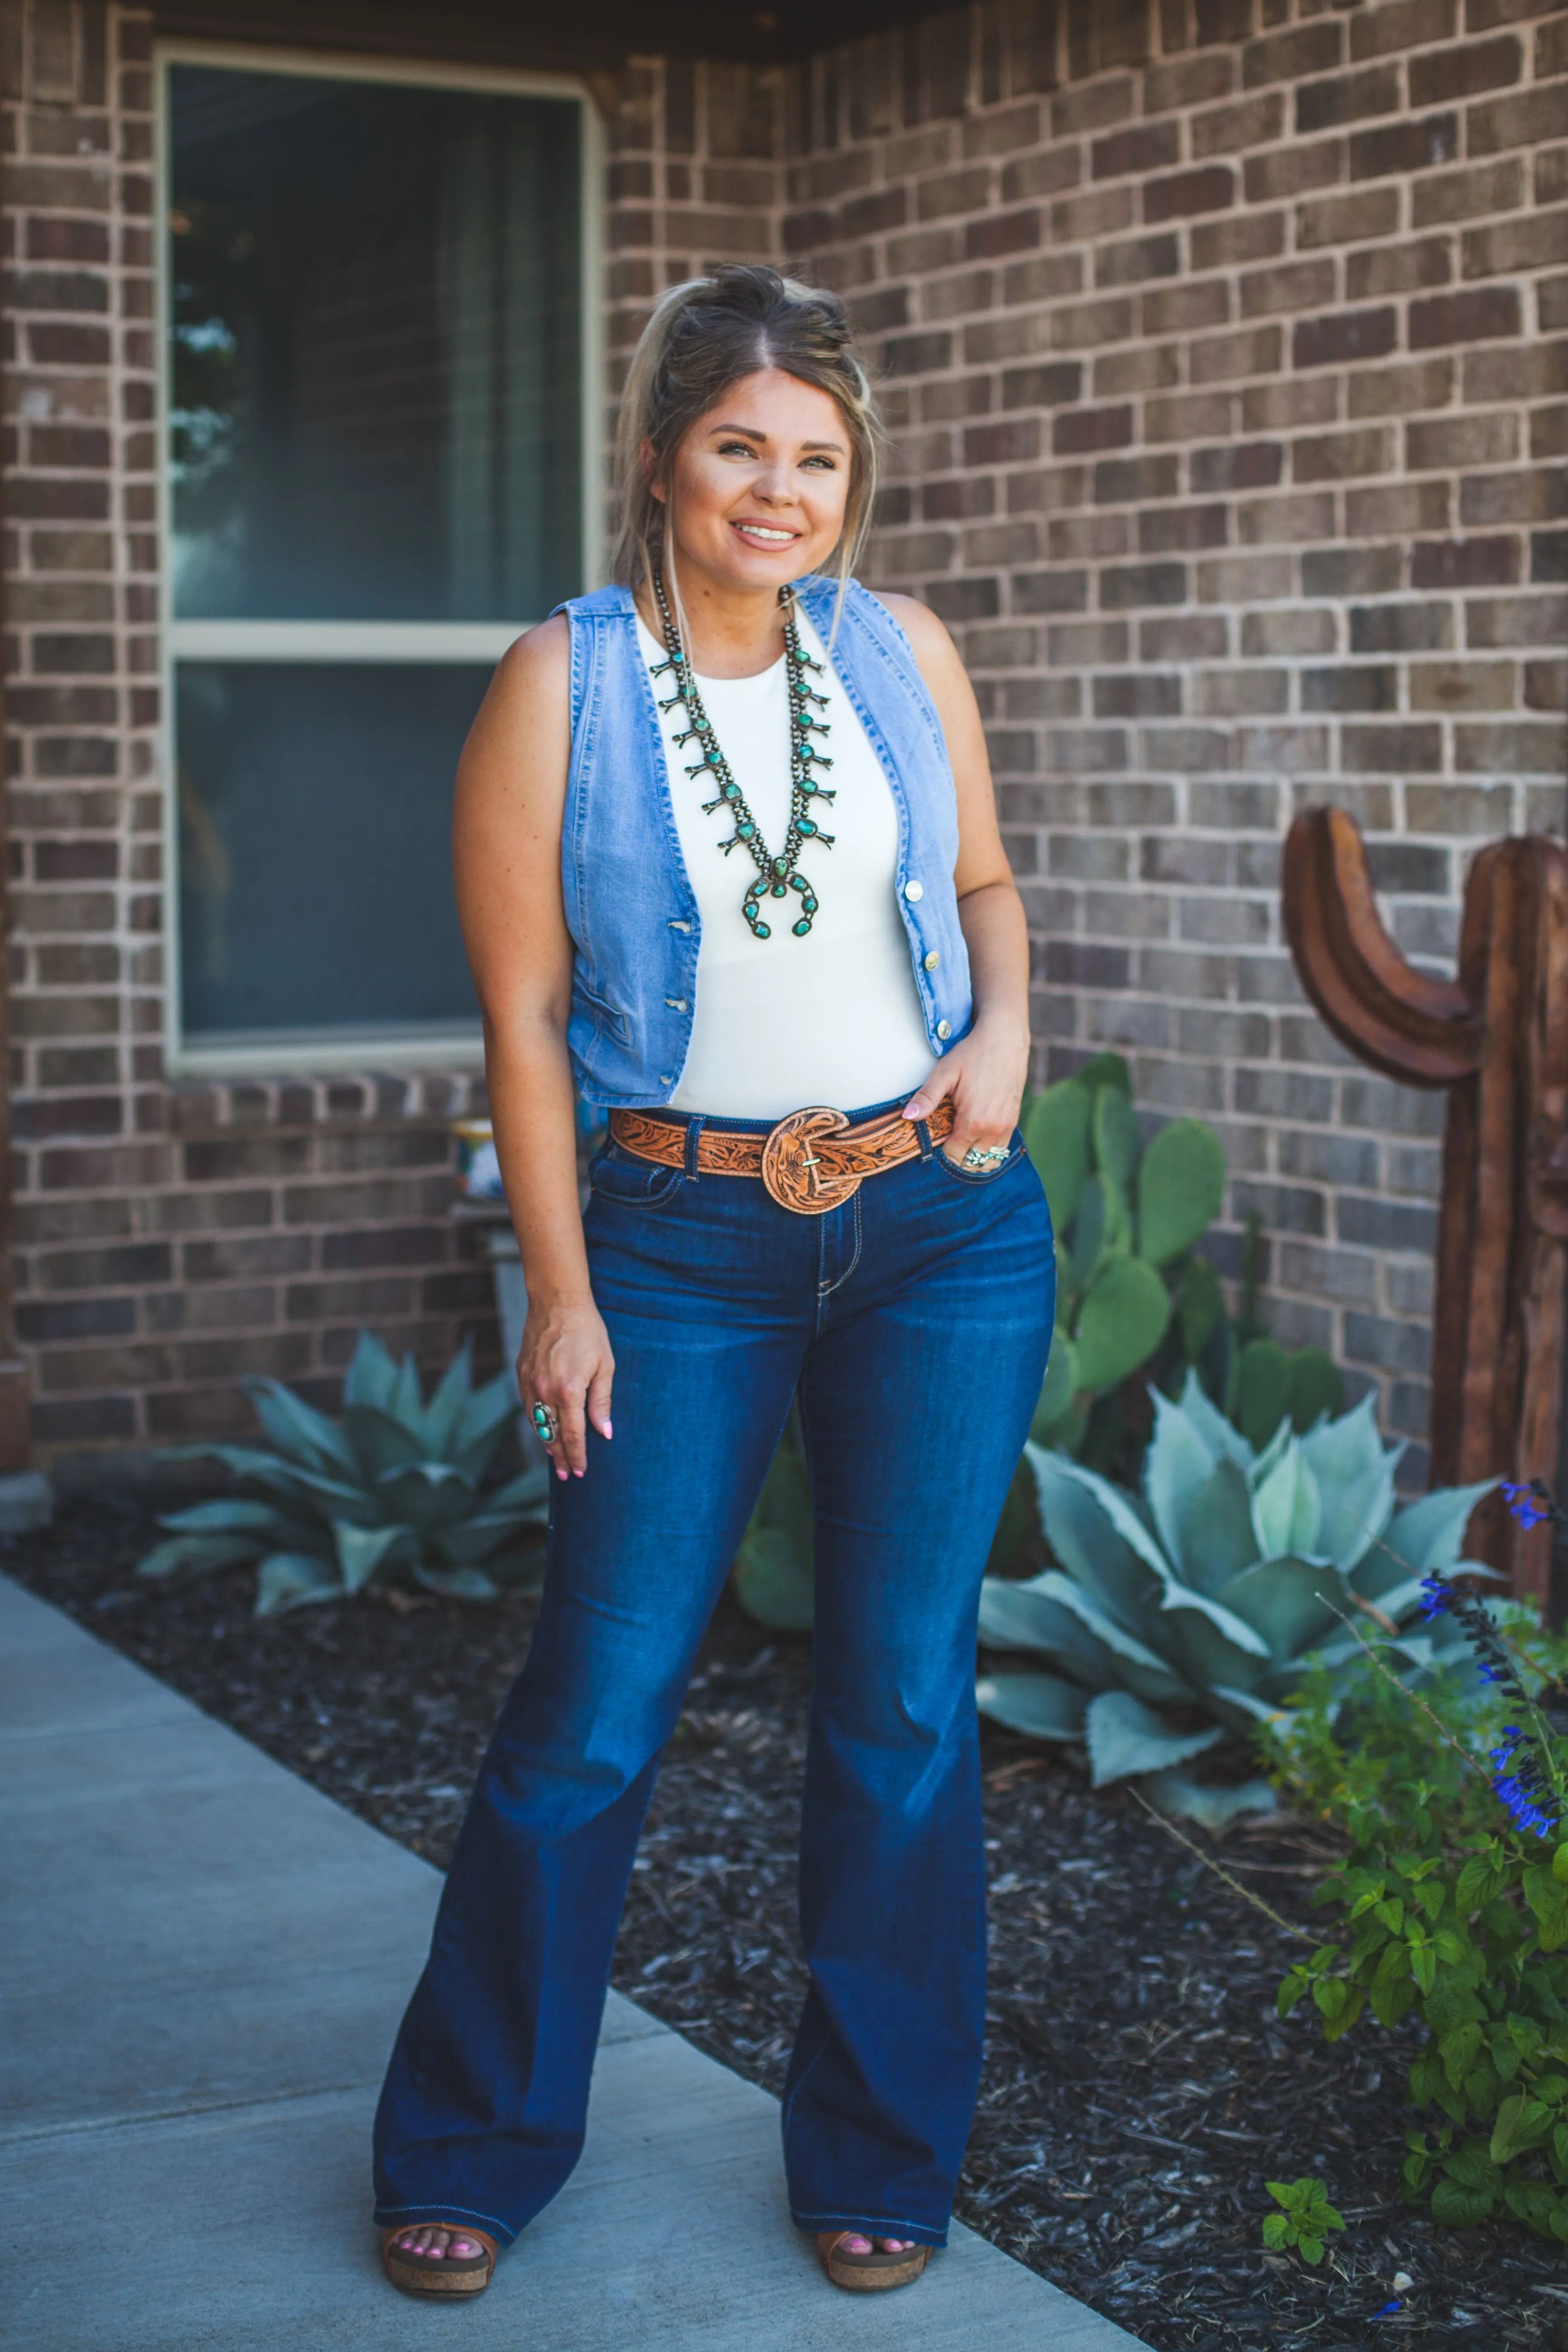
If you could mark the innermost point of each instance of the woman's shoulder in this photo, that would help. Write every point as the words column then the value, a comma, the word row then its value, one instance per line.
column 875, row 608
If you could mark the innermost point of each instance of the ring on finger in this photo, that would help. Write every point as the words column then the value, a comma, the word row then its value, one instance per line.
column 546, row 1424
column 985, row 1155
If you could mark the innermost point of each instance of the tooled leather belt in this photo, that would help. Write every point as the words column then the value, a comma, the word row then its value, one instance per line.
column 812, row 1160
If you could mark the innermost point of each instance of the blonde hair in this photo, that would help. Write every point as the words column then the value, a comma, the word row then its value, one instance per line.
column 703, row 338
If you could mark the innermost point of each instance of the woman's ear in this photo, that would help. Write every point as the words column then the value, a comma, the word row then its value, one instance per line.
column 649, row 457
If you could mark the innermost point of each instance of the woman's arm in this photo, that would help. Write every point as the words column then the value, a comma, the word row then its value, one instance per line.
column 986, row 1071
column 506, row 855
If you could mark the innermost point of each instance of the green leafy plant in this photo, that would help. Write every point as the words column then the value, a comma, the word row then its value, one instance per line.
column 1452, row 1901
column 393, row 1495
column 1188, row 1611
column 1304, row 2220
column 773, row 1567
column 1133, row 1292
column 1126, row 1216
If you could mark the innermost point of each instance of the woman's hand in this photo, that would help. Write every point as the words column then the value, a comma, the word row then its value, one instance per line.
column 566, row 1364
column 984, row 1075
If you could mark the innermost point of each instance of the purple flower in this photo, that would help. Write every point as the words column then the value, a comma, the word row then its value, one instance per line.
column 1439, row 1595
column 1530, row 1503
column 1526, row 1813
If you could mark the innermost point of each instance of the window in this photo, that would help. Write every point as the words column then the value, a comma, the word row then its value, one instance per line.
column 378, row 360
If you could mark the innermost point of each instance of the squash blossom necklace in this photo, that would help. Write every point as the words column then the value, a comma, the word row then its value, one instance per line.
column 776, row 877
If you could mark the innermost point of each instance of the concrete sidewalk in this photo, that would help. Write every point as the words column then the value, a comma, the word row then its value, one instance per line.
column 204, row 1963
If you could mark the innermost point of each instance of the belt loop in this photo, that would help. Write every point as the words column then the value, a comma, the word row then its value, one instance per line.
column 927, row 1145
column 693, row 1144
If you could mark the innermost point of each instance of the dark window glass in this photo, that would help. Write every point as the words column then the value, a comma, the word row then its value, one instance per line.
column 315, row 859
column 376, row 322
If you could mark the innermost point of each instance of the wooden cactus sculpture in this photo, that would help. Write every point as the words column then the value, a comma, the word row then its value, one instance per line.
column 1497, row 1037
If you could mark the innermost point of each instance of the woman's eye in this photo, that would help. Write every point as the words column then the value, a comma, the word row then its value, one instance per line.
column 827, row 465
column 736, row 449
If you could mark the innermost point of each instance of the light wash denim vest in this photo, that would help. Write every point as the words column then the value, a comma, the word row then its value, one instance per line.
column 630, row 906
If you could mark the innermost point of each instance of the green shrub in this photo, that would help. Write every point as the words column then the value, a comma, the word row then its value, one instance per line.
column 1304, row 2219
column 1451, row 1902
column 393, row 1494
column 1189, row 1610
column 1133, row 1293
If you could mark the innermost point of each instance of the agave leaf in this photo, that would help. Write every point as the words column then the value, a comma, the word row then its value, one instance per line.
column 456, row 1583
column 1076, row 1510
column 1287, row 1508
column 485, row 1413
column 1213, row 1808
column 1178, row 1462
column 1123, row 1320
column 424, row 1494
column 1217, row 1539
column 233, row 1511
column 298, row 1430
column 1423, row 1538
column 527, row 1496
column 1262, row 1464
column 1144, row 1670
column 1125, row 1737
column 1017, row 1616
column 1224, row 1437
column 361, row 1550
column 1294, row 1603
column 1181, row 1185
column 294, row 1580
column 1248, row 1707
column 1354, row 1471
column 452, row 1393
column 1056, row 1135
column 380, row 1441
column 1042, row 1705
column 475, row 1542
column 197, row 1555
column 372, row 1375
column 406, row 1402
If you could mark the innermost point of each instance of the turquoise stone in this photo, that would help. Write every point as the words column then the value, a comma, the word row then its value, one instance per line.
column 761, row 931
column 732, row 792
column 805, row 824
column 801, row 930
column 745, row 831
column 778, row 889
column 781, row 866
column 810, row 905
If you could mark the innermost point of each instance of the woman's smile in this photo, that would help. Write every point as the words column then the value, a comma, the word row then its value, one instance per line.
column 763, row 534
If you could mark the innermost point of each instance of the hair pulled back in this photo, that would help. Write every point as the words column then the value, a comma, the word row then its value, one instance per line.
column 706, row 336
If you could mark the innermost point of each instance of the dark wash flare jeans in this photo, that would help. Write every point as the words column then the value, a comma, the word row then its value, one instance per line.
column 915, row 1320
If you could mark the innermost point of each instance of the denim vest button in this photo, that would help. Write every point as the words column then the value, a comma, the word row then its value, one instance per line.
column 676, row 1004
column 913, row 890
column 932, row 961
column 944, row 1028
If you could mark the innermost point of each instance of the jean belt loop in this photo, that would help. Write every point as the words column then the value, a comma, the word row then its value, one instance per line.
column 927, row 1145
column 693, row 1142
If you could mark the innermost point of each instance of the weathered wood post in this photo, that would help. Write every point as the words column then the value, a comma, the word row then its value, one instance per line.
column 1497, row 1037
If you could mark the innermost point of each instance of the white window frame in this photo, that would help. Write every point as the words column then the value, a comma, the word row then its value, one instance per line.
column 293, row 1052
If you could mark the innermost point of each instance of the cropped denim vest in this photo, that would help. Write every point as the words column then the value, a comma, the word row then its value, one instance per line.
column 630, row 906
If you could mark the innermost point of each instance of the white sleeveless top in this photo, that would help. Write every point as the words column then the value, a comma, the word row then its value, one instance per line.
column 783, row 1023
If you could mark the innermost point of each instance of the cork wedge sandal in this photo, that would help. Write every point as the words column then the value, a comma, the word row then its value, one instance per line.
column 448, row 2274
column 868, row 2273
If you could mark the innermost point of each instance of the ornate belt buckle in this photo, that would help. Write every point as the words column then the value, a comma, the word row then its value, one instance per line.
column 795, row 1176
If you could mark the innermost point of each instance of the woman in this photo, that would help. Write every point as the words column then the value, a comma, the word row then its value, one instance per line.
column 889, row 1256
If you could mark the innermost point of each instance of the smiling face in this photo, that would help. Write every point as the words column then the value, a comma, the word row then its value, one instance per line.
column 757, row 493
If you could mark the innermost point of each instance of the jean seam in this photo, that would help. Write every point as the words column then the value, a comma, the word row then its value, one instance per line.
column 824, row 1290
column 473, row 2212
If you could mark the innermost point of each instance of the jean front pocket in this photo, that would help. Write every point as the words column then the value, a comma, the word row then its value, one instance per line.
column 962, row 1175
column 617, row 1175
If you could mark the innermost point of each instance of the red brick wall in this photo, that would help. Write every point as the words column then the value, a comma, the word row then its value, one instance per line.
column 172, row 1237
column 1226, row 344
column 1226, row 347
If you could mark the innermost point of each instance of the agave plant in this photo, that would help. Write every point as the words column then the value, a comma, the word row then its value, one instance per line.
column 392, row 1495
column 1188, row 1612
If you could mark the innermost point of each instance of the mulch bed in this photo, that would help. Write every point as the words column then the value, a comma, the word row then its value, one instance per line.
column 1139, row 2088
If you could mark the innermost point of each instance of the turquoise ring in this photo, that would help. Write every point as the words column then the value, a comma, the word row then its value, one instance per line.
column 544, row 1423
column 985, row 1155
